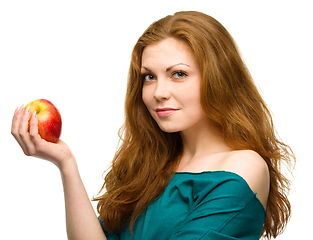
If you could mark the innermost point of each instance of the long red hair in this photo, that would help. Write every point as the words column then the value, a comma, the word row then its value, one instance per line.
column 148, row 157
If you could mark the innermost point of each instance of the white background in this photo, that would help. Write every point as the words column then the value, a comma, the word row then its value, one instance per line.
column 77, row 53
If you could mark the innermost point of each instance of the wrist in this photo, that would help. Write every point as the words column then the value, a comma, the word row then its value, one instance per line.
column 68, row 167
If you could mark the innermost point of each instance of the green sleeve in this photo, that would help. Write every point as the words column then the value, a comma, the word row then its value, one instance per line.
column 110, row 236
column 228, row 212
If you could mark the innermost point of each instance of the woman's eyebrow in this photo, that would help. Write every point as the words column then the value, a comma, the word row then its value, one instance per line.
column 169, row 68
column 146, row 68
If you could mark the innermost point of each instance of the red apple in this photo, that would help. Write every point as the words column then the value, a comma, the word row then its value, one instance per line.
column 49, row 119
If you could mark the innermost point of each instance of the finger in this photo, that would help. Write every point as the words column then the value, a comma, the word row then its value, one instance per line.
column 16, row 121
column 46, row 150
column 15, row 128
column 33, row 131
column 24, row 133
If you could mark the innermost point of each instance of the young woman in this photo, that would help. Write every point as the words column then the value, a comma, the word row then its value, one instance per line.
column 199, row 157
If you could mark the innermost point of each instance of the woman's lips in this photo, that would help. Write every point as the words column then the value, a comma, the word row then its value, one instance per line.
column 163, row 112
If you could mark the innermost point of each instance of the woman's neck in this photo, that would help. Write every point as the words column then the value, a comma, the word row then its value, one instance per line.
column 201, row 141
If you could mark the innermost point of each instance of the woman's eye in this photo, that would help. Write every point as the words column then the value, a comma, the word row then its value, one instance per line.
column 179, row 74
column 148, row 77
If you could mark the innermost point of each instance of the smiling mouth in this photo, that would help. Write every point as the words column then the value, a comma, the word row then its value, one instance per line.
column 163, row 112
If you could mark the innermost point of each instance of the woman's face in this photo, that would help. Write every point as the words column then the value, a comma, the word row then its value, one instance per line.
column 171, row 88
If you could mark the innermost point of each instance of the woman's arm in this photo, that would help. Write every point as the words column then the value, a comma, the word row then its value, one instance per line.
column 81, row 220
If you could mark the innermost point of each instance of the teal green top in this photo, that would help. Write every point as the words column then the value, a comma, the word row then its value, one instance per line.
column 215, row 205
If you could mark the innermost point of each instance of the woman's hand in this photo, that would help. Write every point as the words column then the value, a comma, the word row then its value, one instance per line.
column 31, row 142
column 81, row 220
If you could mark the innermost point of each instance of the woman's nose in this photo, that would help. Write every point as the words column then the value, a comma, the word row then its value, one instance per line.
column 162, row 91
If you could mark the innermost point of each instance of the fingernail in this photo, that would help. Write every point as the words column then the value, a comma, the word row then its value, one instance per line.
column 27, row 109
column 21, row 107
column 34, row 115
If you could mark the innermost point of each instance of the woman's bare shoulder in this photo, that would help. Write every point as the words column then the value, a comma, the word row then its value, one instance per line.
column 252, row 168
